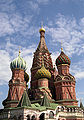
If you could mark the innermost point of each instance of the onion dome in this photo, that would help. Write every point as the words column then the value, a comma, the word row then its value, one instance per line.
column 43, row 73
column 42, row 29
column 62, row 59
column 18, row 63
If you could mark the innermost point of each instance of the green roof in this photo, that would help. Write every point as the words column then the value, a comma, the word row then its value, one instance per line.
column 45, row 101
column 66, row 100
column 24, row 100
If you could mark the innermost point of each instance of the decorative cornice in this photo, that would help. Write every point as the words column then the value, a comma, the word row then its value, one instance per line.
column 64, row 81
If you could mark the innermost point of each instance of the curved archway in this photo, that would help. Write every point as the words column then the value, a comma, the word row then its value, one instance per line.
column 51, row 115
column 33, row 117
column 28, row 117
column 62, row 108
column 42, row 116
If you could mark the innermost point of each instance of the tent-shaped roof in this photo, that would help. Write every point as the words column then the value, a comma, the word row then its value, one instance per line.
column 45, row 101
column 24, row 100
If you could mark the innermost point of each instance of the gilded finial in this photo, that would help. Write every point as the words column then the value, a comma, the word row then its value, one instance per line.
column 42, row 29
column 19, row 50
column 41, row 23
column 61, row 46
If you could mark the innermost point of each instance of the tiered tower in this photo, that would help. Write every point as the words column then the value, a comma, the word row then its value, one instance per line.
column 64, row 82
column 42, row 53
column 17, row 84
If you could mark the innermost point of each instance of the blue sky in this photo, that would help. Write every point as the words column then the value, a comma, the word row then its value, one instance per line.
column 20, row 21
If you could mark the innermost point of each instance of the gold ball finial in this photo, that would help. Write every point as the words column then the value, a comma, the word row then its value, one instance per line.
column 42, row 29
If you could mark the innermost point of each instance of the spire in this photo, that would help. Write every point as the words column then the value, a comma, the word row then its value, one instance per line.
column 42, row 29
column 61, row 46
column 45, row 102
column 81, row 105
column 24, row 100
column 19, row 50
column 42, row 43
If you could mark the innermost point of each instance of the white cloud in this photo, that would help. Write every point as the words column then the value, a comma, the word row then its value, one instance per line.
column 5, row 73
column 77, row 69
column 79, row 75
column 68, row 31
column 34, row 6
column 54, row 56
column 1, row 93
column 5, row 26
column 43, row 1
column 6, row 58
column 16, row 24
column 7, row 6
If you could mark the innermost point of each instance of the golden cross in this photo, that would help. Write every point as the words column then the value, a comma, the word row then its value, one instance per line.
column 41, row 23
column 19, row 50
column 61, row 45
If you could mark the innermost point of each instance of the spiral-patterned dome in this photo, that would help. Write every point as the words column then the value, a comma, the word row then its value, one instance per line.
column 42, row 73
column 62, row 59
column 18, row 63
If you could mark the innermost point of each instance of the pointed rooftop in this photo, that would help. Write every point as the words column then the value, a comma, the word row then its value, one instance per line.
column 24, row 100
column 81, row 104
column 45, row 101
column 42, row 43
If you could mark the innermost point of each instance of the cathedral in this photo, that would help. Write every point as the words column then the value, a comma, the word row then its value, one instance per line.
column 51, row 95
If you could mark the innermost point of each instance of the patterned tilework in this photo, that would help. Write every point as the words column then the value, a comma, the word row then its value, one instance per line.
column 43, row 73
column 63, row 59
column 18, row 63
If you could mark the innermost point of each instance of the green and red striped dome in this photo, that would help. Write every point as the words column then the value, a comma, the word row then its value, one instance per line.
column 62, row 59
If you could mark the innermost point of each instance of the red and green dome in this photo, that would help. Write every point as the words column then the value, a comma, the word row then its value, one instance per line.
column 62, row 59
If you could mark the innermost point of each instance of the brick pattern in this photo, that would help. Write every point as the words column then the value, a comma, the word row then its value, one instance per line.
column 17, row 85
column 65, row 86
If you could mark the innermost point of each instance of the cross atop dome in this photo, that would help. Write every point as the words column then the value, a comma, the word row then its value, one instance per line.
column 61, row 46
column 42, row 28
column 19, row 50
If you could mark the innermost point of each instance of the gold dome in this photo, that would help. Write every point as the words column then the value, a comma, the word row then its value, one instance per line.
column 42, row 73
column 42, row 29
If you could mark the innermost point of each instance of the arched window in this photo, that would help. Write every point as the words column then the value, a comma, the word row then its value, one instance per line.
column 67, row 109
column 51, row 115
column 62, row 108
column 42, row 116
column 28, row 117
column 73, row 109
column 33, row 117
column 70, row 109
